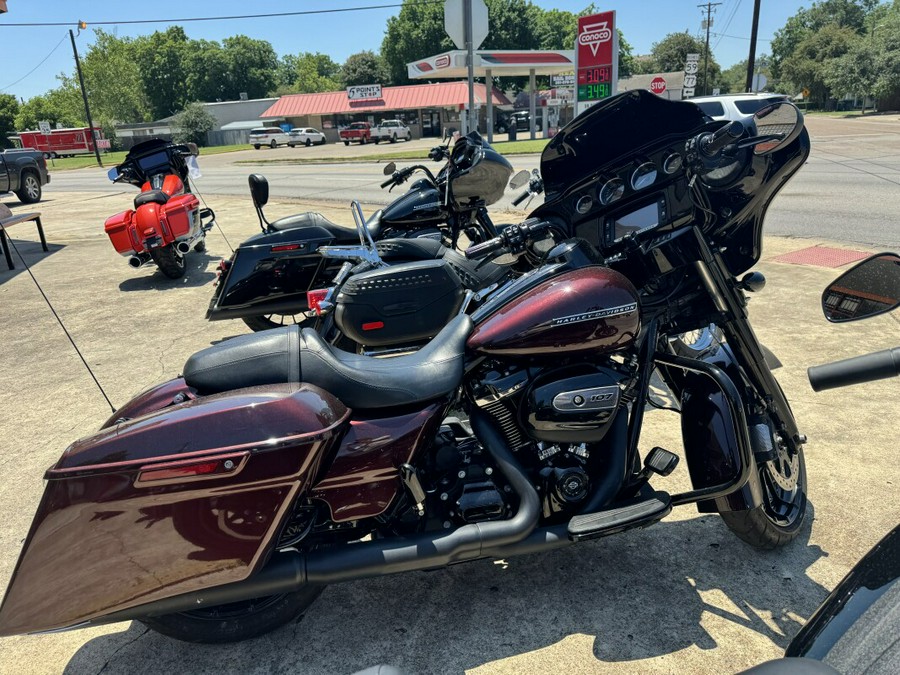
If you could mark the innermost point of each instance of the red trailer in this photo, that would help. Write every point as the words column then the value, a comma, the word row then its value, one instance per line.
column 63, row 142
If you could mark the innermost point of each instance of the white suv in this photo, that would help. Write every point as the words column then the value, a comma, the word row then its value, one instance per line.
column 271, row 136
column 735, row 106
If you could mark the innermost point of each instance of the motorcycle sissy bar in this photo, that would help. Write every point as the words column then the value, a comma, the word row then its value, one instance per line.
column 365, row 252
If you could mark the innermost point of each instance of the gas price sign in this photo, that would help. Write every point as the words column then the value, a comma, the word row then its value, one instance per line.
column 596, row 52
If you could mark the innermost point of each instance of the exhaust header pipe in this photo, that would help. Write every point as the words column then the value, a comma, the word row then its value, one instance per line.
column 287, row 571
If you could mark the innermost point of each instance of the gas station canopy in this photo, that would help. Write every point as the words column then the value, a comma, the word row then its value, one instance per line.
column 499, row 63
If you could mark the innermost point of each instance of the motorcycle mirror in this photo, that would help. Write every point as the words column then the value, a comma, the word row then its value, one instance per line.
column 781, row 121
column 113, row 174
column 195, row 151
column 505, row 259
column 259, row 189
column 519, row 180
column 389, row 168
column 868, row 289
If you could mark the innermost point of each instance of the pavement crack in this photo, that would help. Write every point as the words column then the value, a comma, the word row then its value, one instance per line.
column 121, row 647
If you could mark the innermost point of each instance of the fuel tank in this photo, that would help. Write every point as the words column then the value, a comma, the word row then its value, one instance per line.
column 420, row 206
column 588, row 309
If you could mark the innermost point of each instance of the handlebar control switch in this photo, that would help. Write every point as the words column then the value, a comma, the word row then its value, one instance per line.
column 711, row 144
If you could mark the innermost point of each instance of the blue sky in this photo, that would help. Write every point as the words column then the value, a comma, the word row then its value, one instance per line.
column 643, row 22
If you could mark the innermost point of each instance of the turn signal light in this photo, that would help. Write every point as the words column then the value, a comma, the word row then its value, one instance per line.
column 314, row 299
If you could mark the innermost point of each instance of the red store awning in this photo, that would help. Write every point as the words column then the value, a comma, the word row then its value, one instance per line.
column 410, row 97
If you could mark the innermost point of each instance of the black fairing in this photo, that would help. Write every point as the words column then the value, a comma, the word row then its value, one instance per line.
column 421, row 206
column 174, row 161
column 861, row 602
column 638, row 126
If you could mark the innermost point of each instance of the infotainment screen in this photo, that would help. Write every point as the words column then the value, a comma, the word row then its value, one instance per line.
column 645, row 218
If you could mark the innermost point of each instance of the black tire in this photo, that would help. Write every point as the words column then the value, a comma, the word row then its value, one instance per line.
column 169, row 261
column 256, row 146
column 308, row 142
column 394, row 138
column 346, row 142
column 273, row 144
column 238, row 621
column 780, row 517
column 269, row 321
column 695, row 344
column 362, row 140
column 31, row 188
column 200, row 246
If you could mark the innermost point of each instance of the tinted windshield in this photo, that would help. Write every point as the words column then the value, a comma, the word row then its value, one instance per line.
column 358, row 125
column 616, row 128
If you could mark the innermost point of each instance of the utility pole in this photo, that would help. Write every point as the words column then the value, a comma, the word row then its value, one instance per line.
column 709, row 9
column 751, row 59
column 87, row 108
column 472, row 124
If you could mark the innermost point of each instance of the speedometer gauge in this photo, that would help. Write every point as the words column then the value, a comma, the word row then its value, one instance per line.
column 672, row 163
column 643, row 176
column 612, row 191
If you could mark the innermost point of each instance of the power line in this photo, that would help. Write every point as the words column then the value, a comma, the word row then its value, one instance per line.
column 728, row 23
column 43, row 60
column 738, row 37
column 227, row 18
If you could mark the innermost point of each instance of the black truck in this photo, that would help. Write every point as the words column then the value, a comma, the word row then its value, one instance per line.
column 23, row 172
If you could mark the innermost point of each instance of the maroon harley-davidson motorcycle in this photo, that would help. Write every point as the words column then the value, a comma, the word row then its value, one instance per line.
column 216, row 506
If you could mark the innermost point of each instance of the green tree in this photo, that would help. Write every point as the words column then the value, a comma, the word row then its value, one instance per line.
column 208, row 72
column 308, row 73
column 9, row 108
column 855, row 73
column 669, row 54
column 415, row 33
column 251, row 66
column 163, row 58
column 363, row 68
column 734, row 79
column 193, row 123
column 809, row 62
column 62, row 105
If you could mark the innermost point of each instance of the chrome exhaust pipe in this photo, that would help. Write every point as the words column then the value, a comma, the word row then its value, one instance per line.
column 139, row 260
column 184, row 247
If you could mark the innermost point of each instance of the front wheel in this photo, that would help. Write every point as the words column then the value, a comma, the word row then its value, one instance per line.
column 273, row 144
column 31, row 189
column 779, row 518
column 346, row 142
column 169, row 261
column 308, row 142
column 237, row 621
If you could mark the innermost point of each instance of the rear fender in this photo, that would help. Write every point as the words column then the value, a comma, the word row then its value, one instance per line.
column 708, row 433
column 271, row 272
column 185, row 498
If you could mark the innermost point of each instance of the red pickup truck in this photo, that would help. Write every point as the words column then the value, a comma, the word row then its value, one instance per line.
column 358, row 131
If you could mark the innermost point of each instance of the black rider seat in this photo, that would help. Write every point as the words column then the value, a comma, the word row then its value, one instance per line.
column 151, row 197
column 343, row 233
column 291, row 355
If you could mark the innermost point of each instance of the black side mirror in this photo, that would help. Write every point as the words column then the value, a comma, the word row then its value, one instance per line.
column 870, row 288
column 519, row 180
column 389, row 168
column 259, row 190
column 780, row 122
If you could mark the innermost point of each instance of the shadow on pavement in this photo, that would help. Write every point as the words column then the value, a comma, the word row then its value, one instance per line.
column 149, row 278
column 637, row 596
column 30, row 250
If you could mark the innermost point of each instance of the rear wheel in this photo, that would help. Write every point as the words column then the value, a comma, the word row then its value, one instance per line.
column 268, row 321
column 256, row 146
column 200, row 246
column 394, row 138
column 237, row 621
column 346, row 142
column 273, row 144
column 308, row 142
column 169, row 261
column 31, row 189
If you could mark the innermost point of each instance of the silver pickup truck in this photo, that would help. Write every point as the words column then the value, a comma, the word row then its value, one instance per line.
column 391, row 130
column 23, row 172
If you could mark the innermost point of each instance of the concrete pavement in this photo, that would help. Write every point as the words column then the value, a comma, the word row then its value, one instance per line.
column 683, row 596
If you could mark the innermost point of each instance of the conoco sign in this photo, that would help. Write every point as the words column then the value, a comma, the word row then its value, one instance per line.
column 596, row 59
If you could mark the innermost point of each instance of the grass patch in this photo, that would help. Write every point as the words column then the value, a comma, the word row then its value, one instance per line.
column 110, row 159
column 503, row 147
column 841, row 113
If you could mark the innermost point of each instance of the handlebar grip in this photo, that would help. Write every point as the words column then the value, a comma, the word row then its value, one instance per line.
column 521, row 198
column 484, row 249
column 874, row 366
column 729, row 133
column 389, row 181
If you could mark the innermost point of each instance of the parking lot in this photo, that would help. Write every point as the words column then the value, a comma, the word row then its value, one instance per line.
column 682, row 596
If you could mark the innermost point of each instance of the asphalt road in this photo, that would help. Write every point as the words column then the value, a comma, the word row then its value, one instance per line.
column 847, row 192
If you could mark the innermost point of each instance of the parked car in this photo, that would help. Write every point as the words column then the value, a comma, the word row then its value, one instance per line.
column 305, row 136
column 271, row 136
column 735, row 106
column 358, row 131
column 521, row 119
column 23, row 172
column 391, row 130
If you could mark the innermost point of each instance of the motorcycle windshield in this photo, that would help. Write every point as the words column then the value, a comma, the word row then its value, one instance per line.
column 611, row 130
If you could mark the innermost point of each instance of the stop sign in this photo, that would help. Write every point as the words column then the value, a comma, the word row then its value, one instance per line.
column 658, row 85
